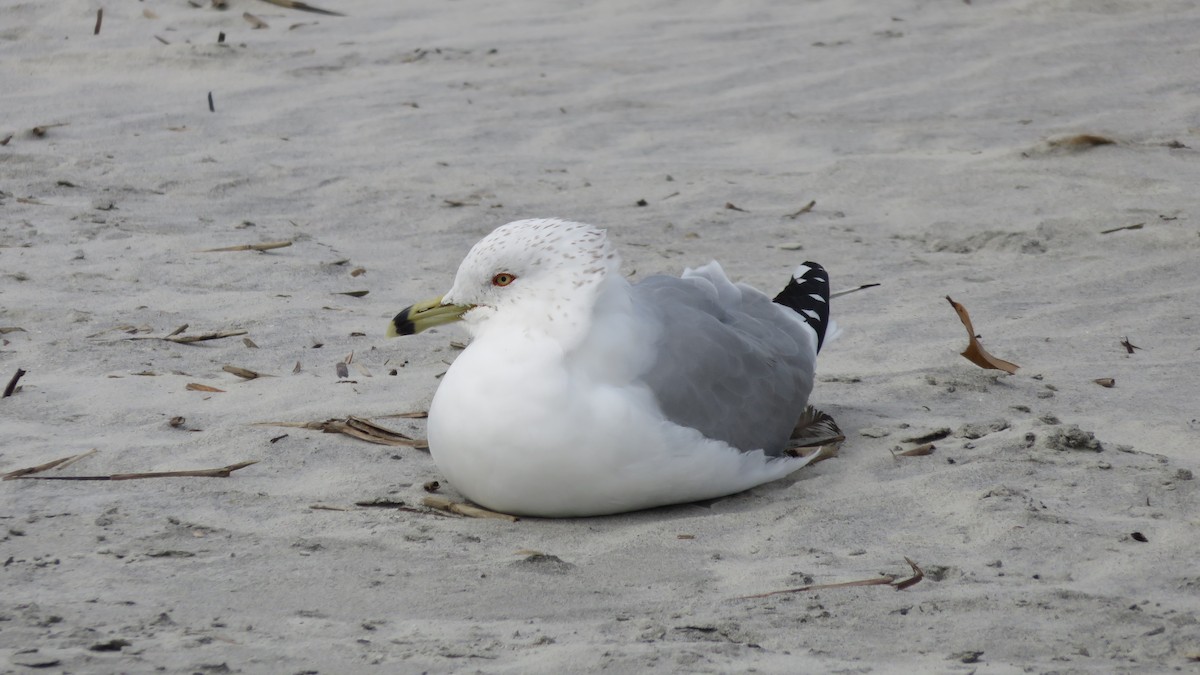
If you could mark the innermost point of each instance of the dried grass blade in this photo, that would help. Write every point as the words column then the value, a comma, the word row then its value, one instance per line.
column 265, row 246
column 465, row 509
column 916, row 578
column 414, row 415
column 222, row 472
column 45, row 467
column 919, row 451
column 196, row 386
column 244, row 373
column 885, row 580
column 303, row 7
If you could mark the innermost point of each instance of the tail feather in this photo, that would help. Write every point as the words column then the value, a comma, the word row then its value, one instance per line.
column 807, row 293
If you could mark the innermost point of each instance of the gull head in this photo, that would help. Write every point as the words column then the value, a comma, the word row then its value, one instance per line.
column 538, row 276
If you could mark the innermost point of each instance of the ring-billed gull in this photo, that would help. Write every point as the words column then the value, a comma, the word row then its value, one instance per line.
column 582, row 394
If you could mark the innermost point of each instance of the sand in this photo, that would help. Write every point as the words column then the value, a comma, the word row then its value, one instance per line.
column 1055, row 520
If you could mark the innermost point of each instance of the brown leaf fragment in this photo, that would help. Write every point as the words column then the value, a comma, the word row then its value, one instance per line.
column 327, row 507
column 5, row 330
column 919, row 451
column 1106, row 382
column 1135, row 226
column 195, row 386
column 358, row 271
column 732, row 207
column 255, row 22
column 265, row 246
column 6, row 139
column 177, row 422
column 343, row 371
column 40, row 130
column 462, row 509
column 296, row 369
column 381, row 503
column 249, row 343
column 935, row 435
column 803, row 210
column 303, row 7
column 975, row 353
column 11, row 387
column 1080, row 142
column 1129, row 346
column 244, row 373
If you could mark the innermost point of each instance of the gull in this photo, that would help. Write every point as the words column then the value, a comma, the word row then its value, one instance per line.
column 582, row 394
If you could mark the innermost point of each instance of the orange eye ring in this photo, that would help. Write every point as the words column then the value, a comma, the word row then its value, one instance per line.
column 503, row 279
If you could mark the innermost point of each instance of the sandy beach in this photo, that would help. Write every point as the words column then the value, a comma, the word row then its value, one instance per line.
column 1037, row 161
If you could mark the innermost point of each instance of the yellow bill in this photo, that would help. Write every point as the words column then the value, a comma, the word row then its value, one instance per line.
column 425, row 314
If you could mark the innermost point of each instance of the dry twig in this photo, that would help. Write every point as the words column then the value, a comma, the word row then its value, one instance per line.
column 357, row 427
column 265, row 246
column 885, row 580
column 303, row 7
column 189, row 339
column 26, row 474
column 12, row 384
column 462, row 509
column 59, row 463
column 803, row 210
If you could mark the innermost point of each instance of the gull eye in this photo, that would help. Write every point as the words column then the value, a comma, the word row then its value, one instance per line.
column 503, row 279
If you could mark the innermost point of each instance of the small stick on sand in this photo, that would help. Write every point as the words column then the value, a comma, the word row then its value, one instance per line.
column 212, row 108
column 415, row 415
column 99, row 18
column 255, row 22
column 1135, row 226
column 189, row 339
column 47, row 466
column 357, row 427
column 885, row 580
column 919, row 451
column 465, row 509
column 303, row 7
column 12, row 384
column 244, row 373
column 222, row 472
column 265, row 246
column 803, row 210
column 848, row 291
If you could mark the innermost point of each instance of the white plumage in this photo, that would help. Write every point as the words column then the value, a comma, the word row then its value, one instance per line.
column 581, row 394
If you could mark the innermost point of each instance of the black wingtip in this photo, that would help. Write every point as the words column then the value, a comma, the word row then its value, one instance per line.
column 807, row 293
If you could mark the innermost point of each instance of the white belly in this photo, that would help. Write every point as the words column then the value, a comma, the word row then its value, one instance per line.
column 516, row 431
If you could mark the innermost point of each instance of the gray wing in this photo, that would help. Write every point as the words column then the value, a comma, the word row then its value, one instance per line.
column 729, row 362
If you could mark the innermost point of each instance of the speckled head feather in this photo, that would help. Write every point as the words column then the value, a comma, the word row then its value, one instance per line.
column 559, row 268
